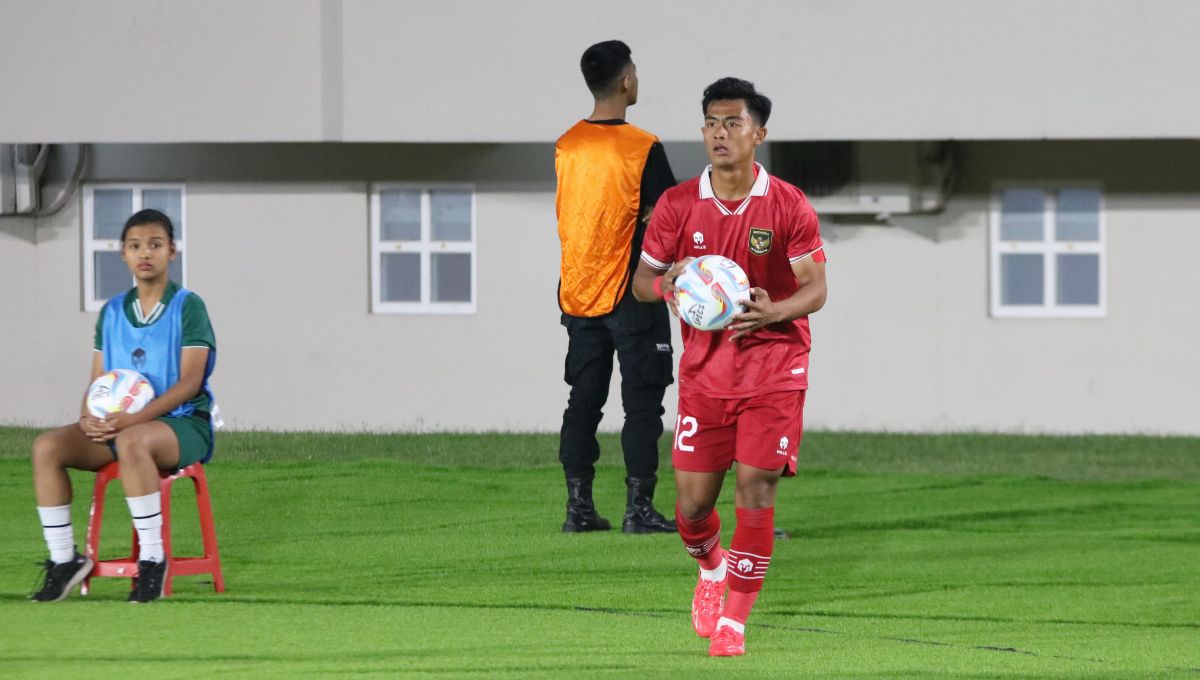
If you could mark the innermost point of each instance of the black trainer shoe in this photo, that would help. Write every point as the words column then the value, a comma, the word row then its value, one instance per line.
column 60, row 579
column 581, row 511
column 148, row 586
column 640, row 515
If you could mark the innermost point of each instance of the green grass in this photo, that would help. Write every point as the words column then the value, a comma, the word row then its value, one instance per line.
column 439, row 556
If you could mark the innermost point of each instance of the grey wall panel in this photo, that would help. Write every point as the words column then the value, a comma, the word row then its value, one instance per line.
column 470, row 71
column 140, row 70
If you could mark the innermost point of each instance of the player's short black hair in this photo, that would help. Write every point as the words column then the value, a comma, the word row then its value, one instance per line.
column 149, row 216
column 757, row 103
column 602, row 64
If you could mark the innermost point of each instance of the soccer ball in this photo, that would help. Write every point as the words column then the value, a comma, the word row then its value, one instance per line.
column 119, row 391
column 710, row 291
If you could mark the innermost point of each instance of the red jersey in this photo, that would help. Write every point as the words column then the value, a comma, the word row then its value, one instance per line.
column 772, row 228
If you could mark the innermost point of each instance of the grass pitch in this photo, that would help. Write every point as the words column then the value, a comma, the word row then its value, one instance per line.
column 440, row 556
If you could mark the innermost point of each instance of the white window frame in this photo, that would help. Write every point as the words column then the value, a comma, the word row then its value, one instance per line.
column 426, row 247
column 93, row 245
column 1049, row 248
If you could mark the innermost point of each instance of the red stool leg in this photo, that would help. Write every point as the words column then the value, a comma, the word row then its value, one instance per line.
column 96, row 518
column 165, row 489
column 208, row 529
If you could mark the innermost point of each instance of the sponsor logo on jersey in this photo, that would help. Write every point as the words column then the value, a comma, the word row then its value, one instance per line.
column 139, row 358
column 760, row 241
column 698, row 241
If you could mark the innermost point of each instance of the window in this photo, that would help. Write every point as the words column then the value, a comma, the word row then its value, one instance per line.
column 105, row 209
column 422, row 250
column 1048, row 252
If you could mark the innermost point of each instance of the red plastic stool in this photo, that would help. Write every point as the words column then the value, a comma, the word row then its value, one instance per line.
column 210, row 563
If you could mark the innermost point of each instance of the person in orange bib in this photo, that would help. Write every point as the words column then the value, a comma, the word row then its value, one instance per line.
column 610, row 174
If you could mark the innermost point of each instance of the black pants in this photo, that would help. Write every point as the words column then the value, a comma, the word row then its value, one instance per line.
column 640, row 334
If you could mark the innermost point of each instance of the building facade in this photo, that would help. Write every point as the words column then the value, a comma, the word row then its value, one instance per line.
column 1009, row 194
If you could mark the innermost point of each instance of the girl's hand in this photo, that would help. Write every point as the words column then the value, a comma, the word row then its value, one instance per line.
column 92, row 426
column 112, row 425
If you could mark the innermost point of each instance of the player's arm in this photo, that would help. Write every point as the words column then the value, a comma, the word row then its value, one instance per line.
column 92, row 426
column 657, row 177
column 654, row 284
column 192, row 362
column 762, row 311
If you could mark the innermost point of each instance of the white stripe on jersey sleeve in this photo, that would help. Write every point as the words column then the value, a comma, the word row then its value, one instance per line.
column 655, row 263
column 794, row 260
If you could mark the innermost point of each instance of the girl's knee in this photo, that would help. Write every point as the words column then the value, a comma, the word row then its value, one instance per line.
column 48, row 448
column 133, row 444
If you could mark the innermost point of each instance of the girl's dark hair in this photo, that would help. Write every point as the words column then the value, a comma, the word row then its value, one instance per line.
column 735, row 88
column 149, row 216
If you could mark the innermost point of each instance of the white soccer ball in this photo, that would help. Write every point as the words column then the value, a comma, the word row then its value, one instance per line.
column 710, row 291
column 118, row 391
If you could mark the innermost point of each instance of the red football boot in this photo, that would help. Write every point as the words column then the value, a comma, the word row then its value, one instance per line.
column 706, row 606
column 727, row 642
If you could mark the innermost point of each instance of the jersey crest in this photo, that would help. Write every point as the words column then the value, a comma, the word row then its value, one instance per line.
column 760, row 241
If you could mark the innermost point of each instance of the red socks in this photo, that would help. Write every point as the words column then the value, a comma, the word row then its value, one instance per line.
column 702, row 537
column 747, row 559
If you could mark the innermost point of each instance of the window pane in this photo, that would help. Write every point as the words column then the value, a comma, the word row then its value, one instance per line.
column 1078, row 215
column 1021, row 214
column 400, row 215
column 169, row 201
column 400, row 276
column 451, row 277
column 1021, row 280
column 112, row 276
column 451, row 215
column 175, row 269
column 111, row 207
column 1079, row 279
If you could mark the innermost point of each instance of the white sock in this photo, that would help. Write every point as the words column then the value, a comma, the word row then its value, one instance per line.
column 717, row 574
column 147, row 519
column 56, row 527
column 730, row 623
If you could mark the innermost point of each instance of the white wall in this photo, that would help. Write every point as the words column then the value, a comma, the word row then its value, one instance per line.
column 466, row 70
column 283, row 271
column 905, row 342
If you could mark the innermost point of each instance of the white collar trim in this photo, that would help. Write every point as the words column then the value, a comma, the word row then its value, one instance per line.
column 762, row 184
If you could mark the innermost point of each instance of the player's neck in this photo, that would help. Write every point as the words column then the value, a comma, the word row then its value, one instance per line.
column 733, row 182
column 609, row 109
column 150, row 293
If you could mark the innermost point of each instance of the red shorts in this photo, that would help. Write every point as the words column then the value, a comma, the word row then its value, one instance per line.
column 763, row 432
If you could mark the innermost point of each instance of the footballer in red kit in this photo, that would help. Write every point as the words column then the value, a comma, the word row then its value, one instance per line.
column 742, row 388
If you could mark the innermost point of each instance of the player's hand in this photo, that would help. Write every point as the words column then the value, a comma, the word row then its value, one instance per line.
column 114, row 423
column 93, row 427
column 668, row 283
column 758, row 311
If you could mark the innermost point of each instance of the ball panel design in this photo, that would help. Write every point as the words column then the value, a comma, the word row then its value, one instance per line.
column 709, row 292
column 118, row 391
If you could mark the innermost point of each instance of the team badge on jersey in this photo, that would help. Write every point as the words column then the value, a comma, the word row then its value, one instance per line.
column 760, row 241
